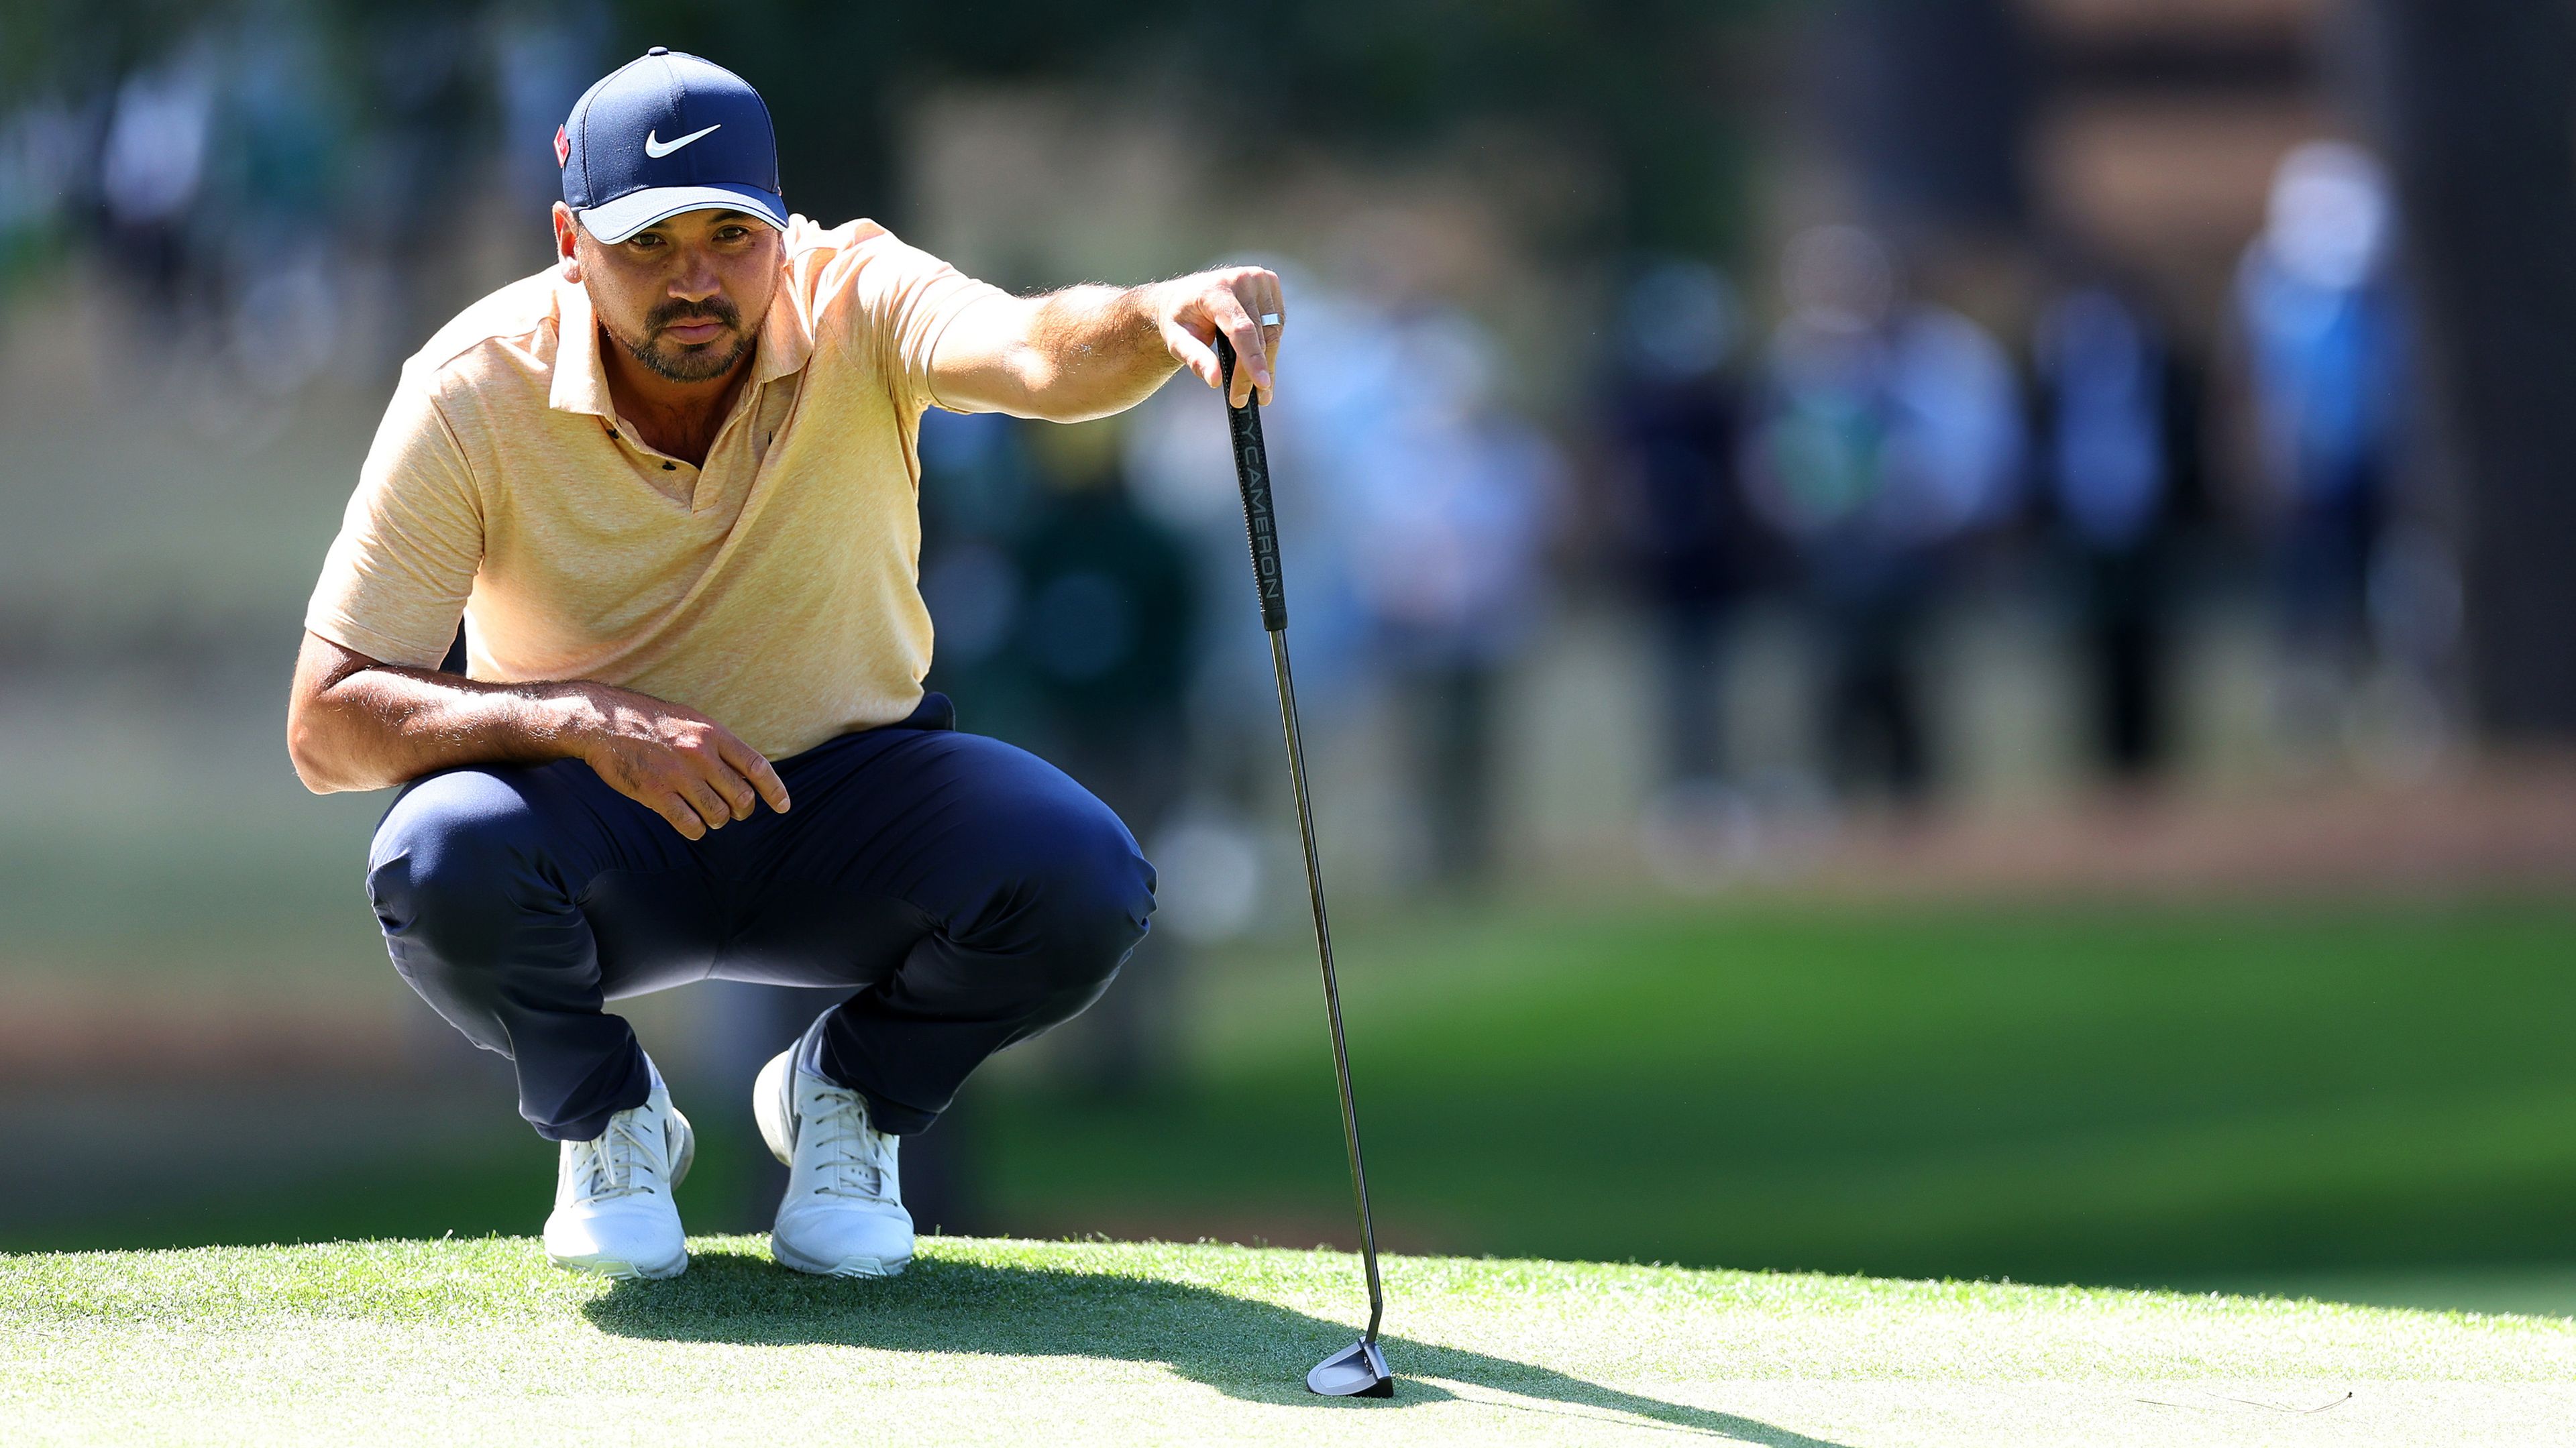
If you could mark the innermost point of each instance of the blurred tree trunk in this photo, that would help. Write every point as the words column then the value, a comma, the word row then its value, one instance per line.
column 1930, row 102
column 2478, row 100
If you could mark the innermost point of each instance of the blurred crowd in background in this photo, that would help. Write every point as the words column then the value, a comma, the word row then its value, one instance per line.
column 1702, row 430
column 274, row 197
column 1859, row 463
column 271, row 200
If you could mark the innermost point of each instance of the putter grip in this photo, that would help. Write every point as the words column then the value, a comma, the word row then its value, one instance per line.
column 1252, row 475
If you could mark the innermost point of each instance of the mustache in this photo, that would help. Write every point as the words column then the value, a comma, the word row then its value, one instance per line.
column 675, row 312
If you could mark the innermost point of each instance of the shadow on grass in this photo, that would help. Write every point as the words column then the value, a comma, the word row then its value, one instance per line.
column 1248, row 1350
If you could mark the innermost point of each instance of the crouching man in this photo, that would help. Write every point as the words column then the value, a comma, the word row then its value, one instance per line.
column 669, row 485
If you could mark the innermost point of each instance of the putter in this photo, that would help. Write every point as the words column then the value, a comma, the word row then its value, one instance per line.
column 1357, row 1371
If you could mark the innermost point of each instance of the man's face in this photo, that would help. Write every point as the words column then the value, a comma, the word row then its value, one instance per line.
column 684, row 297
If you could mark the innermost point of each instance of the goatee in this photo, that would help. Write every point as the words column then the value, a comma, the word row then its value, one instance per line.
column 697, row 362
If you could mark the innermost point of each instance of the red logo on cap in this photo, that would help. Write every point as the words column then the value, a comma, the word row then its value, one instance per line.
column 563, row 149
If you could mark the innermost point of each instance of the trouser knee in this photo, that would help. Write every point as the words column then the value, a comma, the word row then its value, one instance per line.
column 1090, row 896
column 454, row 872
column 1109, row 904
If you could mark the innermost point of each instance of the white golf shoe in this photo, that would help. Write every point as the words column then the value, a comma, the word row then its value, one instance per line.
column 613, row 1211
column 843, row 1215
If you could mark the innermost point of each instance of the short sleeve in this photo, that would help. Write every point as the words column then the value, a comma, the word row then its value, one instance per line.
column 397, row 577
column 902, row 301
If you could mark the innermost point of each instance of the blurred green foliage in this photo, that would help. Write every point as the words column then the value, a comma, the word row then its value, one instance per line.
column 2109, row 1095
column 1654, row 90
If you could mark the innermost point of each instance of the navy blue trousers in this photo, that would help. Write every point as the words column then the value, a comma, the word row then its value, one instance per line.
column 969, row 893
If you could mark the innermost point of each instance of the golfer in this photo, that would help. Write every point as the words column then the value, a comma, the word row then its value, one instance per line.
column 670, row 486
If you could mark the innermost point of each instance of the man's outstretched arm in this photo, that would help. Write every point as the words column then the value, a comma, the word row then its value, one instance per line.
column 1089, row 351
column 355, row 723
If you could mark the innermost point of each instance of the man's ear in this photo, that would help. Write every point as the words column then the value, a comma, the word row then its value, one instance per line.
column 567, row 243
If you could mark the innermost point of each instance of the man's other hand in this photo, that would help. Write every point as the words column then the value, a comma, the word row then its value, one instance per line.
column 1192, row 310
column 676, row 762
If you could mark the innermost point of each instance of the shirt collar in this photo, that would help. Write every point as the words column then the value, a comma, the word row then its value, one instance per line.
column 581, row 380
column 785, row 344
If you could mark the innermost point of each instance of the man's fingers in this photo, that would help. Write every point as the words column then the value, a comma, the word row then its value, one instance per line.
column 716, row 768
column 754, row 767
column 1272, row 334
column 1195, row 354
column 738, row 794
column 1260, row 295
column 683, row 818
column 708, row 801
column 1269, row 305
column 1251, row 350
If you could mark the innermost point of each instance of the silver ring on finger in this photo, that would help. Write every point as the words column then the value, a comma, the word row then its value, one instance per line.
column 1270, row 319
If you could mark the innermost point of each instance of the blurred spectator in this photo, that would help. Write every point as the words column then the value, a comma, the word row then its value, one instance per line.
column 152, row 167
column 2118, row 433
column 1102, row 639
column 1065, row 619
column 1681, row 535
column 1887, row 432
column 44, row 148
column 283, row 261
column 1414, row 513
column 2316, row 299
column 544, row 58
column 426, row 73
column 976, row 492
column 1446, row 500
column 1106, row 618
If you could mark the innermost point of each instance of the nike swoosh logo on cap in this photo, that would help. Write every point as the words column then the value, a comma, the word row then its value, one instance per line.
column 659, row 149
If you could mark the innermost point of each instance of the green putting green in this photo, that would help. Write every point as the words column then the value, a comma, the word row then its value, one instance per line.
column 464, row 1342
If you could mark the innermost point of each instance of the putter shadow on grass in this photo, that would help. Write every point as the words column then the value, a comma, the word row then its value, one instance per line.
column 1245, row 1349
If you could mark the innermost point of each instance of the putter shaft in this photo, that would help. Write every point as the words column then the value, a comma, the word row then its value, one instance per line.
column 1332, row 987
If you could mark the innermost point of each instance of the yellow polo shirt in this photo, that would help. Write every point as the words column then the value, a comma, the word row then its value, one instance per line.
column 776, row 591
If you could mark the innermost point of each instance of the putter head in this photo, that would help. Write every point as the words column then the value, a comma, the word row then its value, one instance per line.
column 1357, row 1371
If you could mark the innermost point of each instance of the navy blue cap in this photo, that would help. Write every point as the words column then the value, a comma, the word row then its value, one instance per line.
column 667, row 133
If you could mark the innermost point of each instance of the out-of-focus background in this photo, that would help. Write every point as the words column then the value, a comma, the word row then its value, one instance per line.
column 1937, row 635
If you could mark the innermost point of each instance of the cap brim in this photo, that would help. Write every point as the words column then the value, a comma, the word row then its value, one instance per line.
column 614, row 221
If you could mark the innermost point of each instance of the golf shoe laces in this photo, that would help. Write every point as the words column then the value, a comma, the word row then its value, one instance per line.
column 620, row 1162
column 849, row 1155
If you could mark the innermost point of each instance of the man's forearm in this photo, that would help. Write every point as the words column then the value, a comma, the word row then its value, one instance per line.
column 386, row 725
column 1093, row 351
column 355, row 723
column 1089, row 351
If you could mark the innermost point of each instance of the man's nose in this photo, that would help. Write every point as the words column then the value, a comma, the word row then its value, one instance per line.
column 696, row 280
